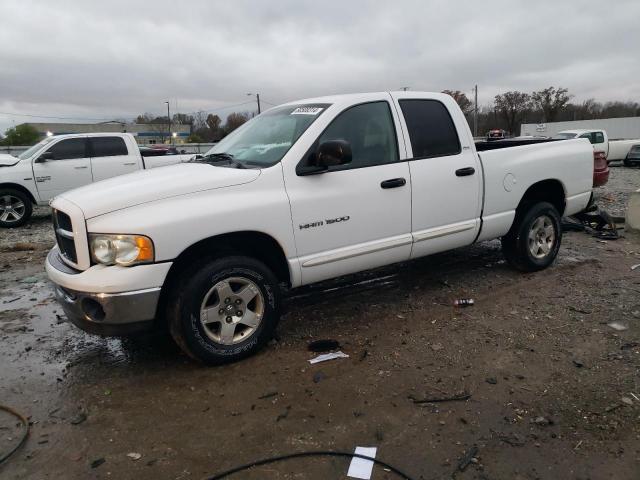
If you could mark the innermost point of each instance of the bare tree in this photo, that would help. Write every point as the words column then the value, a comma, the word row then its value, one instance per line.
column 512, row 106
column 461, row 99
column 234, row 120
column 550, row 101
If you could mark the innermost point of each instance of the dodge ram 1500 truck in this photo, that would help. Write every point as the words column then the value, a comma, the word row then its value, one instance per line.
column 63, row 162
column 304, row 192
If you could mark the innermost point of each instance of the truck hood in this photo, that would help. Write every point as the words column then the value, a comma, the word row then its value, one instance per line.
column 7, row 160
column 151, row 185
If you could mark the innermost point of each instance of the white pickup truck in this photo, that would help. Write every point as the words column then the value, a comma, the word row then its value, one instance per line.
column 306, row 191
column 63, row 162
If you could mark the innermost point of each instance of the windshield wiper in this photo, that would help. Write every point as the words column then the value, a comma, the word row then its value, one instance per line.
column 219, row 157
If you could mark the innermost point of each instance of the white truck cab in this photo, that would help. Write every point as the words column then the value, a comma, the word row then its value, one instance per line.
column 63, row 162
column 598, row 138
column 304, row 192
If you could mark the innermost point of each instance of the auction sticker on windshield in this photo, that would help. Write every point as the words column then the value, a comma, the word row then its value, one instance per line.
column 307, row 111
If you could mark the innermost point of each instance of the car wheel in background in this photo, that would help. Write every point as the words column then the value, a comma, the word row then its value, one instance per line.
column 15, row 208
column 534, row 239
column 226, row 310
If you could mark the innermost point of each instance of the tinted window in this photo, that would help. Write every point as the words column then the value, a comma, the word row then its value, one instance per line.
column 68, row 149
column 108, row 146
column 599, row 137
column 369, row 130
column 431, row 128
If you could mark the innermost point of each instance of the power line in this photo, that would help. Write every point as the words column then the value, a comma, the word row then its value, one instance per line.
column 53, row 117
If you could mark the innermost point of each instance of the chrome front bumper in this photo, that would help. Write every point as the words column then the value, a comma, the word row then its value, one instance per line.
column 108, row 314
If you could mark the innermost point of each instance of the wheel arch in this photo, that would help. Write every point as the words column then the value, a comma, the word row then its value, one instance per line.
column 254, row 244
column 21, row 188
column 549, row 190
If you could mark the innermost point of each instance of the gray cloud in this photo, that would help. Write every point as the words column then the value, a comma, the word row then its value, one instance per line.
column 119, row 58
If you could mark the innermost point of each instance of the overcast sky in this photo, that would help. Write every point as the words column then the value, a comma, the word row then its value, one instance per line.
column 115, row 59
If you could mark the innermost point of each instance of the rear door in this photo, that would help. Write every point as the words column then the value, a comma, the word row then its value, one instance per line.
column 446, row 177
column 69, row 167
column 110, row 157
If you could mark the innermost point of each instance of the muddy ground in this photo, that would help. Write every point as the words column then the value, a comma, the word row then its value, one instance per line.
column 555, row 391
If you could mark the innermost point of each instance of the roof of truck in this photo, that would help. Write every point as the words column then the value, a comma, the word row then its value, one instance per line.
column 585, row 130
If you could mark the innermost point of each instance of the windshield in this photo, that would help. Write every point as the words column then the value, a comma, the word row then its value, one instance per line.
column 264, row 140
column 564, row 136
column 30, row 151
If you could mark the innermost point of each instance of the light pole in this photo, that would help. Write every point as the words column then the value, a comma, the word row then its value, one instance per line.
column 168, row 119
column 475, row 112
column 257, row 98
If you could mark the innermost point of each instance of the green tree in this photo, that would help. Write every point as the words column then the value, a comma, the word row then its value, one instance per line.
column 21, row 135
column 550, row 101
column 194, row 138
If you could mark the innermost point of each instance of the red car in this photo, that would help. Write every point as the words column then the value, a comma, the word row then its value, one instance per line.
column 600, row 169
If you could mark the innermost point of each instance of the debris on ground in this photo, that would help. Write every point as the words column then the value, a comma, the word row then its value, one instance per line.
column 491, row 380
column 619, row 326
column 78, row 419
column 598, row 223
column 328, row 356
column 513, row 439
column 633, row 267
column 269, row 394
column 454, row 398
column 467, row 459
column 319, row 346
column 318, row 377
column 360, row 467
column 97, row 462
column 463, row 302
column 134, row 455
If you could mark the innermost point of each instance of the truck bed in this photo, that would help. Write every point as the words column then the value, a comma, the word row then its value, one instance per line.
column 510, row 142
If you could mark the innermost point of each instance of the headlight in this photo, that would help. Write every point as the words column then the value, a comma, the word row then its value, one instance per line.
column 123, row 250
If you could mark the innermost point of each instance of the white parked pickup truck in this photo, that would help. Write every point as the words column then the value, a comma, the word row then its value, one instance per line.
column 306, row 191
column 63, row 162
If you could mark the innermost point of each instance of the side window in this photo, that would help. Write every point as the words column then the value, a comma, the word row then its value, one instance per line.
column 589, row 136
column 431, row 129
column 370, row 130
column 599, row 137
column 108, row 146
column 69, row 149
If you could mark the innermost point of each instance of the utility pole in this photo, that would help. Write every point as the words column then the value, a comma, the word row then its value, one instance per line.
column 404, row 89
column 475, row 112
column 257, row 98
column 168, row 119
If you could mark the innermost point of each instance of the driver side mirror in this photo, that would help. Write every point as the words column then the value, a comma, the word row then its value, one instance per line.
column 46, row 156
column 331, row 153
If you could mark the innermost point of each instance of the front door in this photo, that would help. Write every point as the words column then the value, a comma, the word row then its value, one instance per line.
column 68, row 166
column 354, row 216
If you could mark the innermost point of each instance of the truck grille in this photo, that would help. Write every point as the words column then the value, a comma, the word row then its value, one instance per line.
column 64, row 235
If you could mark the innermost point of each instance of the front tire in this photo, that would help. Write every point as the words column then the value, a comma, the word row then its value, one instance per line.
column 15, row 208
column 226, row 310
column 534, row 240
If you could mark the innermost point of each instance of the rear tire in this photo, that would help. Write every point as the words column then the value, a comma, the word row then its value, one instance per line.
column 225, row 310
column 15, row 208
column 534, row 240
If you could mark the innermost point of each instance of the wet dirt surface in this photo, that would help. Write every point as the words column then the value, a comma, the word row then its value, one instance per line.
column 555, row 391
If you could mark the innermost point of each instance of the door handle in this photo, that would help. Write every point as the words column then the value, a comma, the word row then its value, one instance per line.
column 464, row 172
column 129, row 163
column 80, row 168
column 394, row 183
